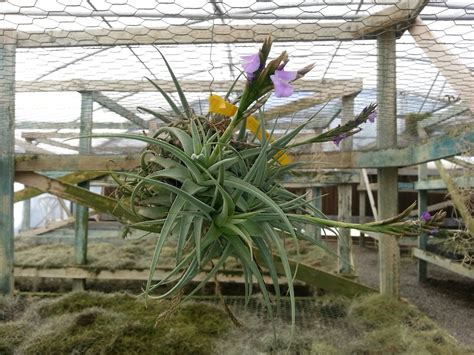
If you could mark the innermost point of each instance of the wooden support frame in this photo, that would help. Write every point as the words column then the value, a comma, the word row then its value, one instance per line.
column 7, row 160
column 445, row 263
column 433, row 149
column 362, row 28
column 344, row 191
column 81, row 212
column 134, row 86
column 456, row 73
column 48, row 228
column 389, row 252
column 422, row 240
column 115, row 107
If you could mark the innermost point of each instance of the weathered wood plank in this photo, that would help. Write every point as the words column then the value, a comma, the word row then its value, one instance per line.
column 445, row 263
column 345, row 264
column 361, row 28
column 433, row 149
column 7, row 160
column 389, row 253
column 72, row 178
column 320, row 278
column 439, row 184
column 114, row 106
column 169, row 86
column 48, row 228
column 75, row 194
column 457, row 74
column 81, row 212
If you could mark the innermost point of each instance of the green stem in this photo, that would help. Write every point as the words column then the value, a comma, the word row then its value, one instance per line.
column 384, row 229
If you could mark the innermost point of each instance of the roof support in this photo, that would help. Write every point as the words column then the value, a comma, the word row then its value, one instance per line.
column 115, row 107
column 362, row 28
column 389, row 252
column 456, row 73
column 7, row 161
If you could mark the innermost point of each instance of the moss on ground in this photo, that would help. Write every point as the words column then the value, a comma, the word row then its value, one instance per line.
column 137, row 254
column 93, row 323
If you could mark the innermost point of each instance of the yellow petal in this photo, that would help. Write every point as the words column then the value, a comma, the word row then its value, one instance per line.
column 218, row 105
column 254, row 126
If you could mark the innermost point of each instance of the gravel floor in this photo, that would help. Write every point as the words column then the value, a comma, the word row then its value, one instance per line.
column 446, row 297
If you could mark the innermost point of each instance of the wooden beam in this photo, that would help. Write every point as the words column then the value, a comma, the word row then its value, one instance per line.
column 30, row 148
column 72, row 178
column 439, row 147
column 326, row 91
column 81, row 212
column 72, row 125
column 440, row 184
column 457, row 74
column 115, row 107
column 361, row 28
column 169, row 86
column 389, row 252
column 48, row 228
column 57, row 144
column 445, row 263
column 345, row 263
column 439, row 117
column 319, row 278
column 75, row 194
column 7, row 160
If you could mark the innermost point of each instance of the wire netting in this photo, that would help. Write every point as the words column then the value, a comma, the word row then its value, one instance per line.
column 65, row 48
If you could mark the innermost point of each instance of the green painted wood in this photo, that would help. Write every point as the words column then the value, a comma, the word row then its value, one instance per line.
column 422, row 240
column 344, row 196
column 387, row 175
column 72, row 178
column 439, row 184
column 76, row 194
column 7, row 159
column 320, row 278
column 432, row 149
column 81, row 212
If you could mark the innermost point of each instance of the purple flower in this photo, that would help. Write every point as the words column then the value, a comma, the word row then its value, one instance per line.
column 372, row 116
column 251, row 63
column 281, row 81
column 339, row 139
column 425, row 216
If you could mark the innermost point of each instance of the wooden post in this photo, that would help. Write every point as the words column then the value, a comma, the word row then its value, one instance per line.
column 314, row 194
column 81, row 213
column 317, row 203
column 344, row 245
column 362, row 216
column 389, row 252
column 26, row 223
column 7, row 159
column 422, row 207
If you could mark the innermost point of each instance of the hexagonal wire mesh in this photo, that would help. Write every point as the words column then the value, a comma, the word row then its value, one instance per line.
column 108, row 47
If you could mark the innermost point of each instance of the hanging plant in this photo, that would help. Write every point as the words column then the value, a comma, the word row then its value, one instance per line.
column 203, row 182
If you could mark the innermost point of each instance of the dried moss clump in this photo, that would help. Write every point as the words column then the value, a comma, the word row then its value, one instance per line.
column 94, row 323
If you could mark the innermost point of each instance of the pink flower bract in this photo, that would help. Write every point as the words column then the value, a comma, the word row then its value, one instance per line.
column 281, row 81
column 251, row 63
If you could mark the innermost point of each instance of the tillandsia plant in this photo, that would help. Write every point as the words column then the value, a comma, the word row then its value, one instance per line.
column 211, row 182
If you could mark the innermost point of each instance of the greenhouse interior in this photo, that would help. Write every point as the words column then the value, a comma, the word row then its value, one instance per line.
column 236, row 177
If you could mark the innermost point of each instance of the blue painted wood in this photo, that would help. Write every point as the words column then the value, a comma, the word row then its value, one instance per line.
column 7, row 160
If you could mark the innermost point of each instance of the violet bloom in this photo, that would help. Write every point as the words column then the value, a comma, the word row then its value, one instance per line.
column 281, row 81
column 372, row 117
column 338, row 139
column 251, row 63
column 425, row 216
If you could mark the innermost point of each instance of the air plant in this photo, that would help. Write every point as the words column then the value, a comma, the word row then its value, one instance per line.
column 202, row 182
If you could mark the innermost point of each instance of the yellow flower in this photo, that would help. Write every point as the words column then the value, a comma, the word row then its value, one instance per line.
column 254, row 126
column 218, row 105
